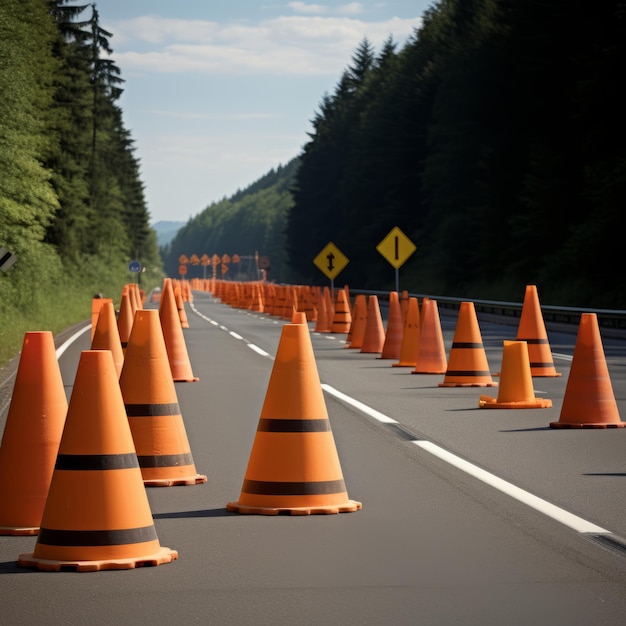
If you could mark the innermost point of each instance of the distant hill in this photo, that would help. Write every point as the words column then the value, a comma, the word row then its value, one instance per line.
column 250, row 223
column 166, row 231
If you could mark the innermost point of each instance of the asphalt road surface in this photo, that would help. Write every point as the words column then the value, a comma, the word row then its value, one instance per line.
column 469, row 516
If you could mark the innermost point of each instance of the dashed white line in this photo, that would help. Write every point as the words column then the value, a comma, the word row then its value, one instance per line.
column 543, row 506
column 259, row 351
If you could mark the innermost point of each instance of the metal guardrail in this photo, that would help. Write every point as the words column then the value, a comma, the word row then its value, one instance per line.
column 607, row 318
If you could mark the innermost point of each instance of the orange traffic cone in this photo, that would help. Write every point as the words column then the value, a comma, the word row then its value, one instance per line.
column 532, row 330
column 324, row 315
column 96, row 305
column 107, row 335
column 516, row 383
column 589, row 401
column 357, row 327
column 97, row 514
column 374, row 333
column 467, row 364
column 125, row 318
column 174, row 338
column 298, row 317
column 431, row 358
column 294, row 466
column 152, row 408
column 180, row 306
column 341, row 317
column 404, row 304
column 31, row 437
column 410, row 336
column 395, row 327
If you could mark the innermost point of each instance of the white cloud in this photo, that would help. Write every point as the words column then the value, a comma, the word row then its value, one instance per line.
column 284, row 46
column 304, row 7
column 353, row 8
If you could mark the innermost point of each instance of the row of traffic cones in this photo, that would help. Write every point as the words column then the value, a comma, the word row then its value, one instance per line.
column 47, row 445
column 100, row 519
column 416, row 340
column 588, row 403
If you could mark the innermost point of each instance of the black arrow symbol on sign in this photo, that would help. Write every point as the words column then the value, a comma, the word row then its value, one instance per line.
column 330, row 256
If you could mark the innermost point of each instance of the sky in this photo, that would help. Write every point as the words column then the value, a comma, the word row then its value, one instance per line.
column 218, row 93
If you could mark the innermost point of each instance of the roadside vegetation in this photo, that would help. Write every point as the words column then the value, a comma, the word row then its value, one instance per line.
column 72, row 206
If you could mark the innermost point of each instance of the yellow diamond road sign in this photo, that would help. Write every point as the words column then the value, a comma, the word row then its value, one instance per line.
column 396, row 247
column 331, row 260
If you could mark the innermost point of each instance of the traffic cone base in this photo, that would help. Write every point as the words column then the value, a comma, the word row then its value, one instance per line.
column 586, row 425
column 163, row 556
column 516, row 388
column 487, row 402
column 589, row 401
column 293, row 466
column 97, row 514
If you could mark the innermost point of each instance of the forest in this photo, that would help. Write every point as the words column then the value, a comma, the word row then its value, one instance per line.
column 494, row 139
column 72, row 207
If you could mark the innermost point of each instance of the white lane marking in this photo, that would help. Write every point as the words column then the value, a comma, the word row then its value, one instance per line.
column 542, row 506
column 234, row 334
column 560, row 515
column 259, row 351
column 62, row 348
column 358, row 405
column 564, row 357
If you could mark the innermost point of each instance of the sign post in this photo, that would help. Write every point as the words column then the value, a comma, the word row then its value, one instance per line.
column 331, row 260
column 396, row 247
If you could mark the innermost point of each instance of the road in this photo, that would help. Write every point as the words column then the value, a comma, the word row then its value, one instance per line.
column 470, row 516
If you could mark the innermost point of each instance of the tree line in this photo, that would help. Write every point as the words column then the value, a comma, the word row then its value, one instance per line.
column 493, row 138
column 72, row 204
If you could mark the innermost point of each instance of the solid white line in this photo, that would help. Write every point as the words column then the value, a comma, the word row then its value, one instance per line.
column 551, row 510
column 381, row 417
column 560, row 515
column 62, row 348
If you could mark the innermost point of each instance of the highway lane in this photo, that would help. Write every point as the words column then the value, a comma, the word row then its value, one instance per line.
column 432, row 544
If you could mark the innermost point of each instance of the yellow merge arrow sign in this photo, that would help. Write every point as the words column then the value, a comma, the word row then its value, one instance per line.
column 396, row 247
column 331, row 260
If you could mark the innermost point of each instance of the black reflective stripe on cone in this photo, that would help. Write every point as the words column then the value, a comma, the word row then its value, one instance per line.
column 152, row 410
column 96, row 462
column 76, row 538
column 293, row 426
column 266, row 488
